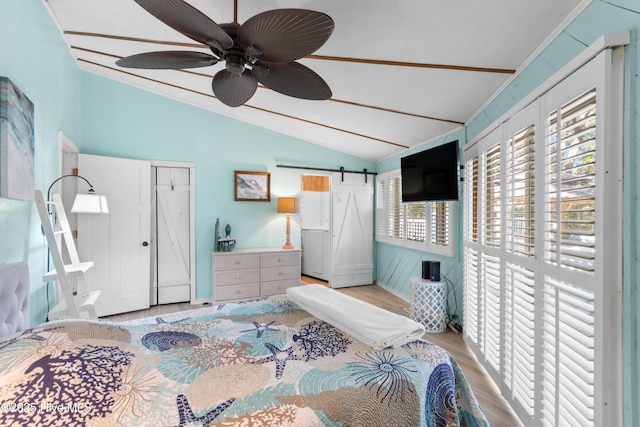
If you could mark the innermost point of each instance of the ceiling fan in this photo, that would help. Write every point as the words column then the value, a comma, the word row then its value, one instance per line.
column 264, row 49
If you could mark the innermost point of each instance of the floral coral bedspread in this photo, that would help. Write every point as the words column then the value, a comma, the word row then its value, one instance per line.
column 256, row 363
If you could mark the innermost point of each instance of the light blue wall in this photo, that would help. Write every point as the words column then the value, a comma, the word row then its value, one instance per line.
column 123, row 121
column 395, row 265
column 34, row 57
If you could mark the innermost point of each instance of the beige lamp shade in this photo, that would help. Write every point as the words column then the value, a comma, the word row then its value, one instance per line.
column 90, row 203
column 288, row 205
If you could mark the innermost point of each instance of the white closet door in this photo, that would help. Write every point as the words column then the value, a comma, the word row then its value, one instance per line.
column 117, row 243
column 173, row 242
column 352, row 230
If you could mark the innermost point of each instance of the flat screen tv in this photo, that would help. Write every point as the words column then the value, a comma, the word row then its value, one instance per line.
column 431, row 175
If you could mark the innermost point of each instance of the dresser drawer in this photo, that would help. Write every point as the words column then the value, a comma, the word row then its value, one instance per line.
column 275, row 288
column 236, row 277
column 233, row 292
column 280, row 259
column 237, row 262
column 282, row 273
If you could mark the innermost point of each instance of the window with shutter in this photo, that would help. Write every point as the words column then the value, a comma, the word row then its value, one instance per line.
column 519, row 335
column 571, row 181
column 546, row 318
column 416, row 221
column 471, row 200
column 440, row 223
column 568, row 354
column 396, row 211
column 492, row 194
column 425, row 226
column 470, row 259
column 520, row 207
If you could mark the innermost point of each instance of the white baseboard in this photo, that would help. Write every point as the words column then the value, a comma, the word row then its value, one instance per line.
column 393, row 291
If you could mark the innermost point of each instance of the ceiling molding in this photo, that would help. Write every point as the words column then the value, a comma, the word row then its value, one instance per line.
column 318, row 57
column 245, row 105
column 388, row 110
column 412, row 64
column 340, row 101
column 135, row 39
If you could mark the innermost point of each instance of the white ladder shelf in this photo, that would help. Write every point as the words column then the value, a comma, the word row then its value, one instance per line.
column 73, row 303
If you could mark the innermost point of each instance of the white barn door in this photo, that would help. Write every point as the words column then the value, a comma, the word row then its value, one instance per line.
column 352, row 230
column 117, row 243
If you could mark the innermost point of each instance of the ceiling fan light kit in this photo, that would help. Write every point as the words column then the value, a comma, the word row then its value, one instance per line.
column 262, row 50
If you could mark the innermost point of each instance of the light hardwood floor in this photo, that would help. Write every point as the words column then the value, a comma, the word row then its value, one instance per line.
column 494, row 406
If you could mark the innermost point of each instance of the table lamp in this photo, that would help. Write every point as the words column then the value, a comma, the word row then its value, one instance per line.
column 288, row 205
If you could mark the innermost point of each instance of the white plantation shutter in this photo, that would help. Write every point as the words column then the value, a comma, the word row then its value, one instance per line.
column 416, row 213
column 542, row 189
column 568, row 387
column 492, row 194
column 440, row 223
column 470, row 260
column 519, row 335
column 571, row 182
column 490, row 309
column 471, row 200
column 396, row 211
column 381, row 208
column 389, row 211
column 426, row 226
column 471, row 295
column 520, row 193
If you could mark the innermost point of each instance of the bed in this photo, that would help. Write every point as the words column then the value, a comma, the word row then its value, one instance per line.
column 263, row 362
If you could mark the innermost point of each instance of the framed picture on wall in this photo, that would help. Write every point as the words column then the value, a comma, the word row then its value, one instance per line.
column 16, row 142
column 252, row 186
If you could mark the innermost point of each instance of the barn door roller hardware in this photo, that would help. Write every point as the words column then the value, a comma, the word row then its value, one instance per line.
column 342, row 170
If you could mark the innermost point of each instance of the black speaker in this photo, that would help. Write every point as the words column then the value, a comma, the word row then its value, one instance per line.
column 434, row 275
column 431, row 270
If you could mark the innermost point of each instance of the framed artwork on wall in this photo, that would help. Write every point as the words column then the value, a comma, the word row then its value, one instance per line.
column 252, row 186
column 16, row 143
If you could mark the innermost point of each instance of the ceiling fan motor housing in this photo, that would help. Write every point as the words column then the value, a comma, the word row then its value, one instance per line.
column 234, row 62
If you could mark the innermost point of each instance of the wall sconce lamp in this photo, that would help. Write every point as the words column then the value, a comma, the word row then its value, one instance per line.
column 288, row 205
column 84, row 203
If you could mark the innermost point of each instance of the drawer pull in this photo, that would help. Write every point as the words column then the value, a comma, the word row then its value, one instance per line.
column 238, row 292
column 238, row 277
column 238, row 262
column 280, row 273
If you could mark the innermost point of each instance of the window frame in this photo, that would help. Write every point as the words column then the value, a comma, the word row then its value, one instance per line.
column 382, row 219
column 545, row 299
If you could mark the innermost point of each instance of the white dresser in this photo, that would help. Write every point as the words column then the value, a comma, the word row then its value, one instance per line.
column 251, row 273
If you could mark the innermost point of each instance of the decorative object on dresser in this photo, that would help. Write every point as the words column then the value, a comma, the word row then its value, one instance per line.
column 252, row 186
column 288, row 205
column 252, row 273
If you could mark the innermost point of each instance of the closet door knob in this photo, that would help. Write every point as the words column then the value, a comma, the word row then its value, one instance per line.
column 145, row 243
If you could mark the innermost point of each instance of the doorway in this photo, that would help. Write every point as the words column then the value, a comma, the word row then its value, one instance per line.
column 337, row 228
column 172, row 231
column 136, row 262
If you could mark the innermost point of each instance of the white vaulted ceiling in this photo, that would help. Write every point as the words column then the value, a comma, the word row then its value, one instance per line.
column 401, row 72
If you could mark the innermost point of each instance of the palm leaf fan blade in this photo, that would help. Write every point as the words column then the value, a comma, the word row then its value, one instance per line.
column 284, row 35
column 293, row 79
column 188, row 20
column 168, row 60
